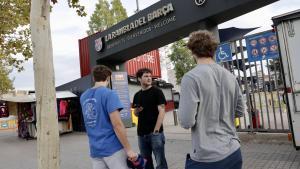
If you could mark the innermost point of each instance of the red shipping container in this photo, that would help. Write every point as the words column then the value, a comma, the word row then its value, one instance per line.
column 84, row 56
column 149, row 60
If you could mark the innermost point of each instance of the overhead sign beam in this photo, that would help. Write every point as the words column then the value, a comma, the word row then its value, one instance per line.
column 163, row 23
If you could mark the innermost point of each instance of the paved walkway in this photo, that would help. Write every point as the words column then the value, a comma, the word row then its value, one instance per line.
column 260, row 151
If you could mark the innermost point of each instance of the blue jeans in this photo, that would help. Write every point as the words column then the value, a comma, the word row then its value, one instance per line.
column 233, row 161
column 153, row 143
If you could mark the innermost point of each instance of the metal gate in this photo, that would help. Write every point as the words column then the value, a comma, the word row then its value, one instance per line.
column 262, row 84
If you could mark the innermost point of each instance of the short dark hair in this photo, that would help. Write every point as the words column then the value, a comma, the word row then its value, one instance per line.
column 202, row 43
column 101, row 72
column 141, row 71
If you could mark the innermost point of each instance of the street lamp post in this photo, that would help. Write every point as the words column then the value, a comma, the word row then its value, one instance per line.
column 137, row 6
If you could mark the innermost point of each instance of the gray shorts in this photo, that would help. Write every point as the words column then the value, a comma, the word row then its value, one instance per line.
column 115, row 161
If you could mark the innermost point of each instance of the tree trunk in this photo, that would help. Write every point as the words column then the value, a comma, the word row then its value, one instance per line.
column 47, row 123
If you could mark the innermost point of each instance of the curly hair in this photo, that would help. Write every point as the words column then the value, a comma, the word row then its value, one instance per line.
column 202, row 43
column 141, row 71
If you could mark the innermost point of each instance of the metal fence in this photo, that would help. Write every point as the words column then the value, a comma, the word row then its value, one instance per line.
column 262, row 85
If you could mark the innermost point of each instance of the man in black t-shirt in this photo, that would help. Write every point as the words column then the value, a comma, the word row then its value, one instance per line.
column 149, row 104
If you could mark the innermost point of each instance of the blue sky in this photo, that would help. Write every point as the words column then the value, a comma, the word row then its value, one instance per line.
column 67, row 28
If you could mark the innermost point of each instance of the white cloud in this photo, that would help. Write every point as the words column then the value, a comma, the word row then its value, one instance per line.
column 67, row 28
column 262, row 17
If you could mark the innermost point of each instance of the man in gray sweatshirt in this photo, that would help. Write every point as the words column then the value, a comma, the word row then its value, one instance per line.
column 209, row 102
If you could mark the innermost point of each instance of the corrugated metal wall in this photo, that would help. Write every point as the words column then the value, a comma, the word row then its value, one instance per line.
column 84, row 56
column 149, row 60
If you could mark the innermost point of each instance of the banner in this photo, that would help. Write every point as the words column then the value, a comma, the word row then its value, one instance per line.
column 262, row 46
column 119, row 83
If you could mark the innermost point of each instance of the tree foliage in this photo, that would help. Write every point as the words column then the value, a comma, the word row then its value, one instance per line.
column 5, row 82
column 15, row 40
column 182, row 59
column 106, row 15
column 118, row 12
column 15, row 45
column 74, row 4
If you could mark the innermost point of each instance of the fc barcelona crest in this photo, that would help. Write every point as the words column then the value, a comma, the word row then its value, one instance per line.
column 200, row 2
column 99, row 44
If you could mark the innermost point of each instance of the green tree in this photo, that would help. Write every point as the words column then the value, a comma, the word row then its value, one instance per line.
column 101, row 18
column 106, row 16
column 118, row 11
column 15, row 44
column 182, row 59
column 5, row 82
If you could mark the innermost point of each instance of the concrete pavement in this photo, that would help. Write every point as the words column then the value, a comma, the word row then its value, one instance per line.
column 260, row 151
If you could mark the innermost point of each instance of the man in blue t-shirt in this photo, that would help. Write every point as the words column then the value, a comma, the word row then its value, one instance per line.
column 109, row 147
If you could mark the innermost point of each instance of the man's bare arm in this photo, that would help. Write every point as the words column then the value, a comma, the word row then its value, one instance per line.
column 160, row 118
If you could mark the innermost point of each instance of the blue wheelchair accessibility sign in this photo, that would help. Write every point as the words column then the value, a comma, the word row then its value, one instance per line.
column 223, row 53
